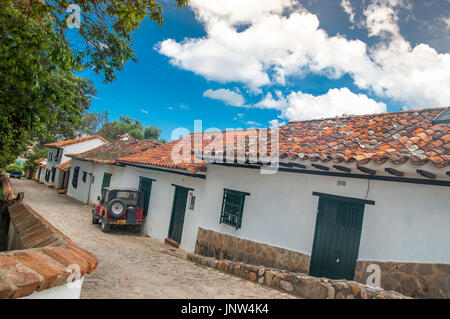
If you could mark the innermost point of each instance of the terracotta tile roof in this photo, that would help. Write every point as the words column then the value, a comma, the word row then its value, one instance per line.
column 64, row 166
column 108, row 153
column 398, row 137
column 39, row 160
column 41, row 253
column 161, row 156
column 74, row 141
column 43, row 165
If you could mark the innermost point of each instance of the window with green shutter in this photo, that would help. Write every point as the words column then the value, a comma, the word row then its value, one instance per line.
column 106, row 180
column 232, row 208
column 76, row 171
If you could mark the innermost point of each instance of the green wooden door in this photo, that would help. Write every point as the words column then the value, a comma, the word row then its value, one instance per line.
column 336, row 239
column 145, row 186
column 178, row 212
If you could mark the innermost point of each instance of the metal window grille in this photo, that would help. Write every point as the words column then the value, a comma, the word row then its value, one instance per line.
column 232, row 208
column 75, row 177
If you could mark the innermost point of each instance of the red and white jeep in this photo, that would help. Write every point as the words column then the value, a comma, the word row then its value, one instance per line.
column 119, row 207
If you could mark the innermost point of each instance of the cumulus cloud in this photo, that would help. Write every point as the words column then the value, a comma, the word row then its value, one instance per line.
column 144, row 111
column 226, row 96
column 281, row 39
column 336, row 102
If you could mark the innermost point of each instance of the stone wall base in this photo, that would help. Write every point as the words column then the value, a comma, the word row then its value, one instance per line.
column 298, row 284
column 412, row 279
column 221, row 246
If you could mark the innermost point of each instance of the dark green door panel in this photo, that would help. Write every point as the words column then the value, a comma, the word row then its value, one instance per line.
column 336, row 239
column 178, row 212
column 145, row 186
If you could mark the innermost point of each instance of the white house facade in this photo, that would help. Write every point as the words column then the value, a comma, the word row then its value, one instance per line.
column 57, row 155
column 92, row 170
column 337, row 214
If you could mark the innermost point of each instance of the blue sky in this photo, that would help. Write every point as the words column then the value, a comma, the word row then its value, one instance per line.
column 241, row 64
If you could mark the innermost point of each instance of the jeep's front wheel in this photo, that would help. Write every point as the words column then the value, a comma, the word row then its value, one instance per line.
column 94, row 218
column 105, row 227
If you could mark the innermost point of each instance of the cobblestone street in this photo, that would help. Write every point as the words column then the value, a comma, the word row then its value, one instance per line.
column 134, row 266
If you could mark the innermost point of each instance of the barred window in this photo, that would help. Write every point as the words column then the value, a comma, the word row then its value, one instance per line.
column 232, row 208
column 84, row 177
column 53, row 173
column 75, row 177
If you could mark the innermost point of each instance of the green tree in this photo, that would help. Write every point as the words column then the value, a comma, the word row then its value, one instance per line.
column 136, row 133
column 92, row 122
column 152, row 133
column 128, row 125
column 39, row 95
column 110, row 131
column 104, row 39
column 39, row 151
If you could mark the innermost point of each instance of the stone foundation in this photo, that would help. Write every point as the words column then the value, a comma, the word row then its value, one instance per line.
column 221, row 246
column 411, row 279
column 298, row 284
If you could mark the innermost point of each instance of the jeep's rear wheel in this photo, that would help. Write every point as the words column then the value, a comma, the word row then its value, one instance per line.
column 136, row 229
column 104, row 226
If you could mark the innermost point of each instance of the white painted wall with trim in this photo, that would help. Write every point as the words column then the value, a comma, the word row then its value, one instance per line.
column 409, row 222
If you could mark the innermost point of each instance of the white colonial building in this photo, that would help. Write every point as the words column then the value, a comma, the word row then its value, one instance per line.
column 349, row 192
column 92, row 170
column 54, row 177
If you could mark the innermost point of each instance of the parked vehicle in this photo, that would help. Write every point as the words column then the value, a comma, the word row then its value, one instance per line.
column 15, row 174
column 119, row 207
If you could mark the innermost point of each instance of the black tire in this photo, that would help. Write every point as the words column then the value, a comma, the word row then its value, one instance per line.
column 94, row 218
column 136, row 229
column 106, row 228
column 116, row 208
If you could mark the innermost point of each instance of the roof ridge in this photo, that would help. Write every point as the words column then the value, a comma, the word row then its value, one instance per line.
column 370, row 115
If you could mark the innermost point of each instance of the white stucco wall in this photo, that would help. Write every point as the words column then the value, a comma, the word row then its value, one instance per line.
column 97, row 170
column 51, row 164
column 59, row 176
column 79, row 193
column 76, row 148
column 67, row 291
column 81, row 147
column 161, row 201
column 409, row 222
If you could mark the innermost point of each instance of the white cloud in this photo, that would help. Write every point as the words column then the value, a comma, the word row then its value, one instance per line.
column 345, row 4
column 336, row 102
column 284, row 40
column 144, row 111
column 446, row 20
column 227, row 96
column 253, row 123
column 276, row 123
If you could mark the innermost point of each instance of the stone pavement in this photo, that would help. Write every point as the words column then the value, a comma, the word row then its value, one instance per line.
column 134, row 266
